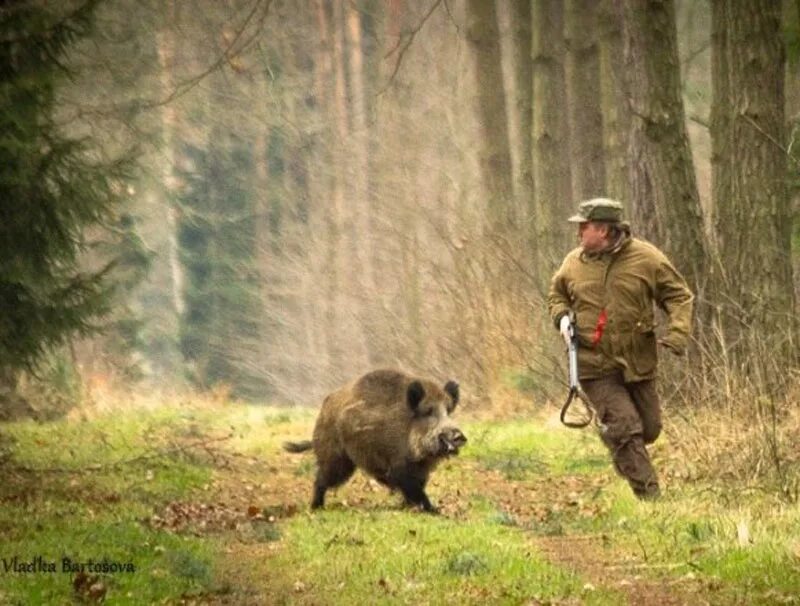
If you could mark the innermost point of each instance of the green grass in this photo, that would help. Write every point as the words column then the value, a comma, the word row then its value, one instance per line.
column 165, row 564
column 522, row 448
column 107, row 477
column 342, row 557
column 690, row 532
column 701, row 537
column 103, row 478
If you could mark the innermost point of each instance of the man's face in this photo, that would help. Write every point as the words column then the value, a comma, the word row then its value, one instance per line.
column 593, row 236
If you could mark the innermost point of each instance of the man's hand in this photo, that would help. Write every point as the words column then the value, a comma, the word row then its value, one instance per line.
column 563, row 328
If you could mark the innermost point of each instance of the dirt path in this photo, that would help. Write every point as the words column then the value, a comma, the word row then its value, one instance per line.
column 540, row 505
column 247, row 496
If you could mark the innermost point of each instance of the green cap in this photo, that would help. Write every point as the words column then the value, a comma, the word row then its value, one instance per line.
column 598, row 209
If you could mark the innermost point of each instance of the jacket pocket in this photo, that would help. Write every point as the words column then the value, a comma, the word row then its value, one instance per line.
column 644, row 352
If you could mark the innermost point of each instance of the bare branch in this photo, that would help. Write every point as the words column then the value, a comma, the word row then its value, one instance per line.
column 691, row 56
column 403, row 43
column 235, row 48
column 204, row 444
column 452, row 18
column 225, row 57
column 699, row 120
column 772, row 140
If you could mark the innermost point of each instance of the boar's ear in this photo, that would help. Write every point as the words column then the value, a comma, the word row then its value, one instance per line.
column 414, row 394
column 451, row 387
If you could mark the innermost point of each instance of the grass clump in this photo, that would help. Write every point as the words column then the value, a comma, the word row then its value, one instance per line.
column 466, row 564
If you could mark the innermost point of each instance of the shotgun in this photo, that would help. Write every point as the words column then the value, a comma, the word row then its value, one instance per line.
column 575, row 390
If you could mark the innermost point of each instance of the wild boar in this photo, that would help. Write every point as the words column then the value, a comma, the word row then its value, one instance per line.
column 394, row 427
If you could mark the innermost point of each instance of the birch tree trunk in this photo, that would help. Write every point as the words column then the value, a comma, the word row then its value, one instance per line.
column 169, row 119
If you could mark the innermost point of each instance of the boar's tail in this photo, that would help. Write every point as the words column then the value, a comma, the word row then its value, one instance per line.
column 298, row 446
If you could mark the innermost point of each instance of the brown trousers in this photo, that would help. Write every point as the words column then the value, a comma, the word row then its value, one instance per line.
column 630, row 414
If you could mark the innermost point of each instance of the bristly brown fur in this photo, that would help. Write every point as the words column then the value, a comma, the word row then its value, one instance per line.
column 394, row 427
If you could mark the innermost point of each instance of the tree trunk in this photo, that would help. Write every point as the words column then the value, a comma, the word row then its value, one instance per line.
column 751, row 213
column 515, row 17
column 325, row 188
column 359, row 177
column 582, row 75
column 665, row 204
column 494, row 155
column 791, row 22
column 552, row 188
column 169, row 118
column 615, row 114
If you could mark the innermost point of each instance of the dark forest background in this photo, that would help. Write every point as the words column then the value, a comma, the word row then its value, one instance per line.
column 265, row 198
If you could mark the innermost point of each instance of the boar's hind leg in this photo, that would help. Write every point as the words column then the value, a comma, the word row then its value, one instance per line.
column 330, row 475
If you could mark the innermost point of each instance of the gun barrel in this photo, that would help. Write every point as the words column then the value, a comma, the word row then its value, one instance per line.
column 573, row 365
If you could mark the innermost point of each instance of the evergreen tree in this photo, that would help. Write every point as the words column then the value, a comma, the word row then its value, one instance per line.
column 221, row 326
column 124, row 342
column 52, row 188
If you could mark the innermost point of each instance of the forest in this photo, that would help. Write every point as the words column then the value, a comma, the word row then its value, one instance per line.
column 216, row 212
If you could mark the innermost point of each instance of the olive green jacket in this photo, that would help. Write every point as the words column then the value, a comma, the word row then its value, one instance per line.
column 625, row 282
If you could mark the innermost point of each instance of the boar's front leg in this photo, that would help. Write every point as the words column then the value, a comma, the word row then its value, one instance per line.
column 413, row 489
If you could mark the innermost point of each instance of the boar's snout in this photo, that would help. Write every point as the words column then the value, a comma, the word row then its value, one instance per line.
column 450, row 441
